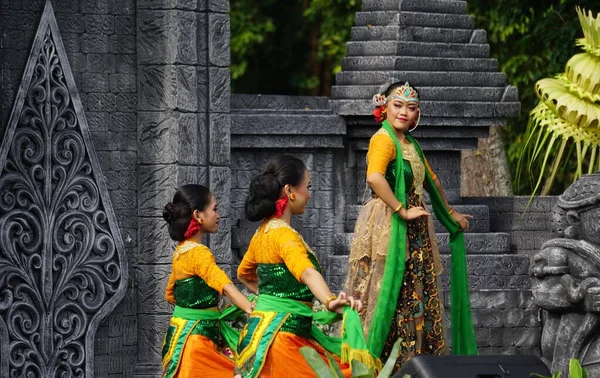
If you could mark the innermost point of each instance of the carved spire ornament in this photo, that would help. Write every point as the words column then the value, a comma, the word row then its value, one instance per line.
column 61, row 254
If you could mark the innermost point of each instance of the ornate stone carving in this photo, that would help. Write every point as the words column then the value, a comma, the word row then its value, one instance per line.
column 61, row 255
column 566, row 280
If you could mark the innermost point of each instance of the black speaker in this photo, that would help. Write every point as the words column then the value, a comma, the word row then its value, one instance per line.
column 426, row 366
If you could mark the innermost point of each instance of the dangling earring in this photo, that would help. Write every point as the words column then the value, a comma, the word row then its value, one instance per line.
column 416, row 124
column 292, row 196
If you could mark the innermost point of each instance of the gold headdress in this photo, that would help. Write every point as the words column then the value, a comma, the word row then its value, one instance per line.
column 404, row 93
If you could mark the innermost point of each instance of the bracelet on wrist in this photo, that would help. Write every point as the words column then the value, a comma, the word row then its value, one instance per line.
column 328, row 301
column 450, row 211
column 397, row 209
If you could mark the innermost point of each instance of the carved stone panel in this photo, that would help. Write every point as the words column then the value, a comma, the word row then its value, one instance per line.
column 61, row 255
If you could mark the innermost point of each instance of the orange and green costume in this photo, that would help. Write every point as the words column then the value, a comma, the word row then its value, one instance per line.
column 193, row 343
column 282, row 321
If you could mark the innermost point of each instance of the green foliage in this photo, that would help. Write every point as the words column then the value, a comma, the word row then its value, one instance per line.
column 386, row 371
column 292, row 49
column 531, row 40
column 359, row 369
column 568, row 113
column 575, row 371
column 250, row 27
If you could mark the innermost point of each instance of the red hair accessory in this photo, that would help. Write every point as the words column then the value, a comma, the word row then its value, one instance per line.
column 379, row 114
column 193, row 227
column 280, row 206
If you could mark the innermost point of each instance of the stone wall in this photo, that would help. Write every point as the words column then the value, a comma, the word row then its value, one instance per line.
column 506, row 319
column 183, row 138
column 100, row 41
column 528, row 225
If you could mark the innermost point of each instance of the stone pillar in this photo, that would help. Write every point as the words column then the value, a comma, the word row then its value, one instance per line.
column 183, row 138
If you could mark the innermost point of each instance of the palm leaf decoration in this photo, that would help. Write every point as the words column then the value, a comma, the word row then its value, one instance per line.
column 567, row 118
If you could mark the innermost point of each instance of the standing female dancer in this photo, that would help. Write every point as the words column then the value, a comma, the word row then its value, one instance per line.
column 393, row 238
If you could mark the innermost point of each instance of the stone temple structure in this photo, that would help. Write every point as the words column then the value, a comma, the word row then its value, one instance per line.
column 153, row 81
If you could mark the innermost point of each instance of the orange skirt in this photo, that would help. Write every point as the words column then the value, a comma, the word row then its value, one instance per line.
column 201, row 359
column 285, row 360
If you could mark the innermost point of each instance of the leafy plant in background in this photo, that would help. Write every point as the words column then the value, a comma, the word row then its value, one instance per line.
column 292, row 47
column 567, row 117
column 359, row 370
column 575, row 371
column 531, row 39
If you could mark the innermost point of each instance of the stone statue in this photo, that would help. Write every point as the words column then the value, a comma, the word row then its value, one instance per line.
column 566, row 280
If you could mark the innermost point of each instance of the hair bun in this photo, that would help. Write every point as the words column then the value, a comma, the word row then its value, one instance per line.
column 174, row 211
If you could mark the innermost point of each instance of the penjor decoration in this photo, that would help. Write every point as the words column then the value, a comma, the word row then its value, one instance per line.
column 568, row 115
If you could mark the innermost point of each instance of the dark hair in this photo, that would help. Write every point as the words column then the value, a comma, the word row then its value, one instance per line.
column 398, row 84
column 265, row 188
column 178, row 213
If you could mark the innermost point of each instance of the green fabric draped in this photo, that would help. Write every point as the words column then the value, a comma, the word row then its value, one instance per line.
column 350, row 346
column 230, row 334
column 463, row 334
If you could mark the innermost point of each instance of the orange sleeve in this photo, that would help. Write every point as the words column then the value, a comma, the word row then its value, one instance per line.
column 207, row 269
column 381, row 152
column 293, row 252
column 169, row 294
column 431, row 173
column 247, row 268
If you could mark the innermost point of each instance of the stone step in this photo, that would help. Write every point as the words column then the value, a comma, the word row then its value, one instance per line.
column 455, row 114
column 486, row 272
column 479, row 224
column 421, row 63
column 492, row 243
column 417, row 33
column 466, row 109
column 437, row 6
column 472, row 94
column 278, row 102
column 365, row 132
column 424, row 79
column 425, row 49
column 405, row 18
column 283, row 112
column 279, row 123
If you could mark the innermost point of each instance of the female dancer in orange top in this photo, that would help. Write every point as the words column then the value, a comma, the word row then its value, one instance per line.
column 193, row 344
column 283, row 269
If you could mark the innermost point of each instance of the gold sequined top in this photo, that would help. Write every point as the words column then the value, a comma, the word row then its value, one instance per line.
column 196, row 280
column 382, row 155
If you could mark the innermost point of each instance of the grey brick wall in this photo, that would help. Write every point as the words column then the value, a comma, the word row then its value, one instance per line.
column 99, row 37
column 529, row 226
column 183, row 137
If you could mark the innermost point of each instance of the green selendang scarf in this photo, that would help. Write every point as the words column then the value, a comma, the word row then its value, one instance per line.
column 229, row 334
column 463, row 334
column 351, row 345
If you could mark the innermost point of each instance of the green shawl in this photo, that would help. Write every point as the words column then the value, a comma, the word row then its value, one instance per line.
column 230, row 334
column 463, row 334
column 351, row 346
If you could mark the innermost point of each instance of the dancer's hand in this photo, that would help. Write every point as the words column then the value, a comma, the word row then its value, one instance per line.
column 413, row 213
column 343, row 300
column 462, row 220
